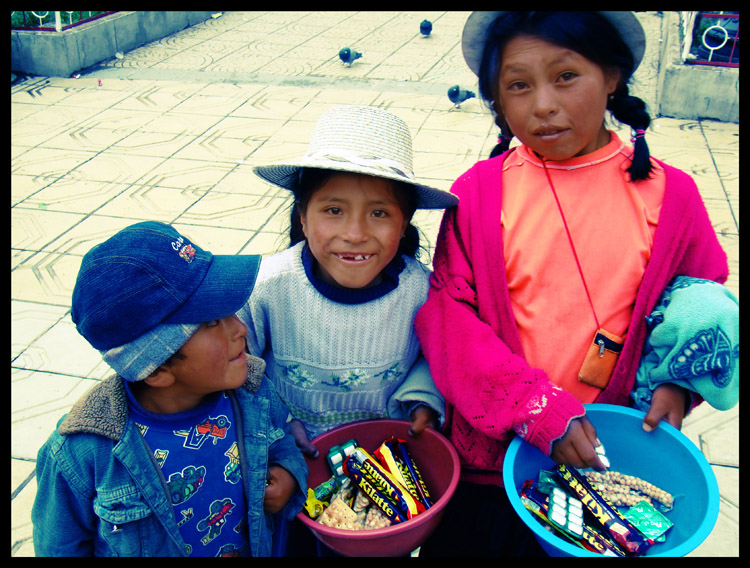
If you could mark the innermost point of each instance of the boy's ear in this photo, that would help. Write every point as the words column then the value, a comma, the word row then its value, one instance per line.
column 160, row 378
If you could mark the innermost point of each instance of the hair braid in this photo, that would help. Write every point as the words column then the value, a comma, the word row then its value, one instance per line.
column 631, row 110
column 503, row 138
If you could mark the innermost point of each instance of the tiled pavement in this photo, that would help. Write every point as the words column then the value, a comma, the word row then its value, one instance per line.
column 171, row 131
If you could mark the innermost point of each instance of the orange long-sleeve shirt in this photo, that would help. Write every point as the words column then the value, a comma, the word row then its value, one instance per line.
column 613, row 244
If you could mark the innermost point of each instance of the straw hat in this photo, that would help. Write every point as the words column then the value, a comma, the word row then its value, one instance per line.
column 361, row 140
column 475, row 35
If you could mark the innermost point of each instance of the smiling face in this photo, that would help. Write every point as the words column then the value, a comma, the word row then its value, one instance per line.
column 214, row 356
column 353, row 225
column 553, row 98
column 212, row 360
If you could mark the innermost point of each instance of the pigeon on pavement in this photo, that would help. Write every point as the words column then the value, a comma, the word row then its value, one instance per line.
column 457, row 95
column 348, row 55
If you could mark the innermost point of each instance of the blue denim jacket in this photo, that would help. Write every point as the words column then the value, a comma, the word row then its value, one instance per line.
column 100, row 492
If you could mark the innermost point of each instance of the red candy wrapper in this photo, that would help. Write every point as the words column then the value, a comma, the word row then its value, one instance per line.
column 621, row 530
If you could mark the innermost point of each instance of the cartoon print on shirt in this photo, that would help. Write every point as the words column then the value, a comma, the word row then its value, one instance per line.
column 212, row 428
column 187, row 514
column 214, row 522
column 160, row 456
column 709, row 352
column 232, row 469
column 229, row 551
column 183, row 485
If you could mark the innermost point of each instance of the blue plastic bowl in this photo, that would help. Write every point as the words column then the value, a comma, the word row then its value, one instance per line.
column 664, row 457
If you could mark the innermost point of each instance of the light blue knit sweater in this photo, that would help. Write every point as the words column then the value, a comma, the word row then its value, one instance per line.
column 334, row 363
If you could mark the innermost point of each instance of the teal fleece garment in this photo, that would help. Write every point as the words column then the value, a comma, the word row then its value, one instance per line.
column 694, row 343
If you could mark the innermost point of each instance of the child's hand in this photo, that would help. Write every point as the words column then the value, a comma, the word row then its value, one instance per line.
column 280, row 487
column 667, row 403
column 576, row 447
column 422, row 417
column 300, row 437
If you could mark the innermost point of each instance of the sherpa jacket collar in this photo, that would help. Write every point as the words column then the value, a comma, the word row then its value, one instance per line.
column 103, row 410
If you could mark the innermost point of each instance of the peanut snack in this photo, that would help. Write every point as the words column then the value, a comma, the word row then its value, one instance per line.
column 628, row 490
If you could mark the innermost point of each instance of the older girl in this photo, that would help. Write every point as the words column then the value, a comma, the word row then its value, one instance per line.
column 558, row 249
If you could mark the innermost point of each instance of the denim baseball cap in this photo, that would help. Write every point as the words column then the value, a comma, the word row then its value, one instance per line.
column 147, row 275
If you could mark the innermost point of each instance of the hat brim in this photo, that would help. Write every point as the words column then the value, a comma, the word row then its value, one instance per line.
column 475, row 30
column 225, row 288
column 284, row 175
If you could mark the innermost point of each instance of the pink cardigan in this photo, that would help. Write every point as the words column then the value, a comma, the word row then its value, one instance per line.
column 468, row 333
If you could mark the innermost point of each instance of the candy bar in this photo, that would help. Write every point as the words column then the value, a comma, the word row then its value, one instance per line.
column 391, row 464
column 385, row 483
column 399, row 448
column 601, row 543
column 379, row 498
column 396, row 455
column 325, row 490
column 623, row 532
column 537, row 503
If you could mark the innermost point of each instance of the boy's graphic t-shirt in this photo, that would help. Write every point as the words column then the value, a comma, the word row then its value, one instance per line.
column 198, row 456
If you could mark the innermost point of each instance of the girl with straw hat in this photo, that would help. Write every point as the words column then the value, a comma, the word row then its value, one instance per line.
column 333, row 314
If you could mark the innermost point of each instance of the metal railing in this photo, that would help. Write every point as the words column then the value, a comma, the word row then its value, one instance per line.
column 51, row 21
column 711, row 38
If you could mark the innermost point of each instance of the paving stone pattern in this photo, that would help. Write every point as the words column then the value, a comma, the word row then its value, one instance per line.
column 170, row 132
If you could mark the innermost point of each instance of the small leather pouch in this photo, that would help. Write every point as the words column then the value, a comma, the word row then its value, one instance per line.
column 600, row 359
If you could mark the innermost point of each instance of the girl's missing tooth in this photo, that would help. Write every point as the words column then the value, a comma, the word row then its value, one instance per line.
column 333, row 314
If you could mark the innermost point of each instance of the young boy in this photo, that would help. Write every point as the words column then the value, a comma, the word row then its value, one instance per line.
column 186, row 451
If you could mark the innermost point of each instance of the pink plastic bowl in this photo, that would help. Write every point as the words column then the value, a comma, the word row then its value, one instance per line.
column 436, row 459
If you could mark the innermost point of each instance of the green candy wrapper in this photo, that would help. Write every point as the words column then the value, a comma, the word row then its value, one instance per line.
column 547, row 481
column 649, row 521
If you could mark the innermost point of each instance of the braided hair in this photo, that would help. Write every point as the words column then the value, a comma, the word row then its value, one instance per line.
column 587, row 33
